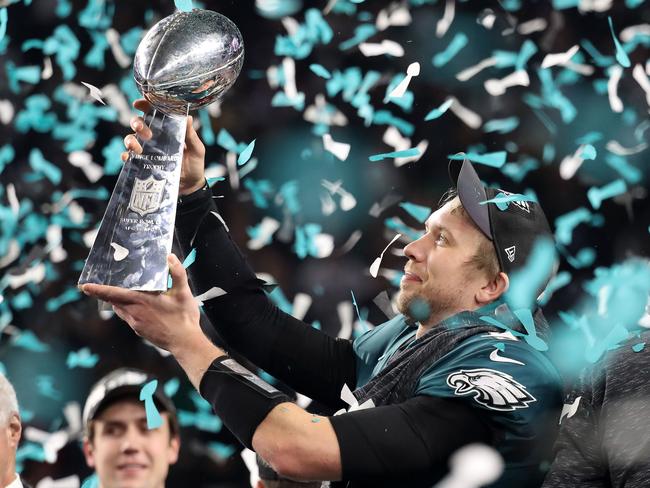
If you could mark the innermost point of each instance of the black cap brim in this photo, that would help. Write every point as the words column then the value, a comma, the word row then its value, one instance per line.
column 471, row 193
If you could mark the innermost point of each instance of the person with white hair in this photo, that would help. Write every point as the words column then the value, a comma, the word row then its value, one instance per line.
column 10, row 430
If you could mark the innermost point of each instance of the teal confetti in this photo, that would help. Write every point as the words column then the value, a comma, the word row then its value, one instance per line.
column 95, row 56
column 397, row 225
column 588, row 152
column 585, row 257
column 26, row 74
column 617, row 335
column 154, row 419
column 203, row 420
column 63, row 8
column 361, row 33
column 207, row 134
column 638, row 347
column 22, row 300
column 68, row 296
column 500, row 346
column 212, row 181
column 494, row 159
column 437, row 112
column 621, row 55
column 600, row 60
column 3, row 22
column 502, row 126
column 91, row 482
column 189, row 259
column 419, row 309
column 83, row 358
column 525, row 283
column 112, row 156
column 356, row 307
column 565, row 224
column 597, row 195
column 42, row 166
column 630, row 173
column 171, row 387
column 245, row 155
column 28, row 341
column 590, row 138
column 183, row 5
column 319, row 70
column 525, row 316
column 502, row 200
column 222, row 451
column 528, row 49
column 414, row 151
column 418, row 212
column 459, row 41
column 279, row 299
column 45, row 386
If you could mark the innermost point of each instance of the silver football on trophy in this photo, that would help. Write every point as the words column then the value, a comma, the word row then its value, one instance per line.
column 188, row 60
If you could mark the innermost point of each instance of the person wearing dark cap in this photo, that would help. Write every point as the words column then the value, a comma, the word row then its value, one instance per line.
column 456, row 367
column 118, row 442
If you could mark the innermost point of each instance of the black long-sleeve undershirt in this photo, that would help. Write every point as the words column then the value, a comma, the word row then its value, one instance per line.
column 304, row 358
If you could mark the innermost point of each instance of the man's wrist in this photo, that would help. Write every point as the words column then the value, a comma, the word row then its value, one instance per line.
column 195, row 354
column 200, row 185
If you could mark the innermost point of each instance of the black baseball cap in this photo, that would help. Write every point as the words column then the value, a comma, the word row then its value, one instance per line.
column 125, row 383
column 513, row 231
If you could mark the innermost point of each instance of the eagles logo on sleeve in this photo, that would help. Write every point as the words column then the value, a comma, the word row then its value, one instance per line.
column 493, row 389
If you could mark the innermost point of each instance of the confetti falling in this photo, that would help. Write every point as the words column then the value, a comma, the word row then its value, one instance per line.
column 565, row 119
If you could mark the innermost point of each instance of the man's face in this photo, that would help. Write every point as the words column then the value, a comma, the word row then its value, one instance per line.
column 437, row 272
column 9, row 439
column 124, row 453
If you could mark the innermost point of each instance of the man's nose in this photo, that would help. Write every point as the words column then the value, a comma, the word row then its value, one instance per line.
column 413, row 250
column 131, row 441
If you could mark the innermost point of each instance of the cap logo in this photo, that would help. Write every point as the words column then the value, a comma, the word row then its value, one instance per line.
column 510, row 252
column 522, row 204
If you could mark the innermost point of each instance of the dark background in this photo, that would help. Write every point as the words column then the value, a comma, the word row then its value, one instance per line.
column 288, row 150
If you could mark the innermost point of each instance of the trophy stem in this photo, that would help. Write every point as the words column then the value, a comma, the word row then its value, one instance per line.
column 136, row 232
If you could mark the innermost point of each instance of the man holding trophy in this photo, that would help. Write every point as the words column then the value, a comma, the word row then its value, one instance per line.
column 431, row 379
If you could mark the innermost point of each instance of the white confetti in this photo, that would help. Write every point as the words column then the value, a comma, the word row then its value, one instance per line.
column 533, row 25
column 559, row 58
column 14, row 204
column 616, row 148
column 53, row 236
column 630, row 32
column 347, row 202
column 71, row 481
column 571, row 164
column 213, row 292
column 220, row 218
column 594, row 5
column 569, row 409
column 494, row 356
column 345, row 312
column 399, row 91
column 386, row 46
column 472, row 71
column 11, row 254
column 265, row 231
column 351, row 242
column 52, row 442
column 34, row 274
column 339, row 149
column 497, row 87
column 118, row 101
column 327, row 204
column 233, row 173
column 398, row 16
column 393, row 138
column 447, row 18
column 95, row 92
column 615, row 73
column 120, row 252
column 6, row 112
column 469, row 118
column 113, row 38
column 301, row 303
column 48, row 70
column 473, row 466
column 324, row 244
column 374, row 267
column 319, row 113
column 641, row 78
column 83, row 160
column 507, row 335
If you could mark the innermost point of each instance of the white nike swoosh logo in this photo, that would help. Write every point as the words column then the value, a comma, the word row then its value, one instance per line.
column 494, row 356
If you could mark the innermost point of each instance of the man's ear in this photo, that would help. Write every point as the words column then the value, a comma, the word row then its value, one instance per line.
column 88, row 452
column 174, row 447
column 15, row 430
column 493, row 289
